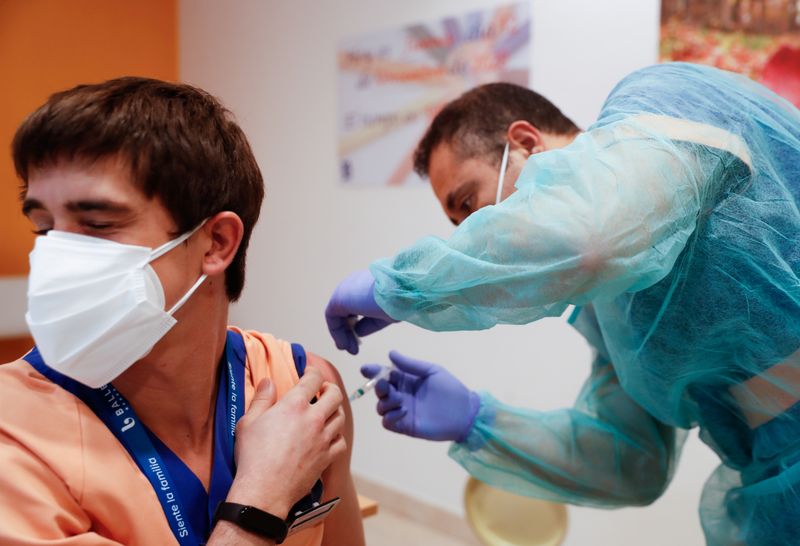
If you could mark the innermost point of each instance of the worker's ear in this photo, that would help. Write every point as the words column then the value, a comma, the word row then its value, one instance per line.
column 525, row 137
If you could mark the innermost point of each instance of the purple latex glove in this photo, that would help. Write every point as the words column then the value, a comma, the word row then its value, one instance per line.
column 423, row 400
column 354, row 298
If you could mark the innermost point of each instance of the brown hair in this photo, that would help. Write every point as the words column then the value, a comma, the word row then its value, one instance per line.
column 181, row 144
column 476, row 122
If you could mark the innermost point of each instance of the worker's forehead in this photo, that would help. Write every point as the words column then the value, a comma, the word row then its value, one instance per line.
column 449, row 166
column 443, row 165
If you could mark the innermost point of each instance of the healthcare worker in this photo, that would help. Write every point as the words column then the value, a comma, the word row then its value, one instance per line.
column 672, row 224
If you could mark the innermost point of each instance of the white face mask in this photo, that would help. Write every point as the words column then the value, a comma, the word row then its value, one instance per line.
column 503, row 165
column 96, row 306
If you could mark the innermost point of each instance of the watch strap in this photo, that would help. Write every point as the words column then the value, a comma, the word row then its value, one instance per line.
column 253, row 520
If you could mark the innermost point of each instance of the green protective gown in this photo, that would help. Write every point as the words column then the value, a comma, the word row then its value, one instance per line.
column 673, row 225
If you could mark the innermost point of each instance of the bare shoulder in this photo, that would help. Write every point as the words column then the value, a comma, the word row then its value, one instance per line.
column 328, row 371
column 344, row 525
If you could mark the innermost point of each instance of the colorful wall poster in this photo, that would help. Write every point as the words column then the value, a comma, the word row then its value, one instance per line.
column 392, row 83
column 758, row 38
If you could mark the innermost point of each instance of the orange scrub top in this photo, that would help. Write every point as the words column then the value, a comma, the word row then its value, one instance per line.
column 64, row 477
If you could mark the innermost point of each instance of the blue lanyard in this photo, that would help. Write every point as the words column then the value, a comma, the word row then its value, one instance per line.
column 187, row 506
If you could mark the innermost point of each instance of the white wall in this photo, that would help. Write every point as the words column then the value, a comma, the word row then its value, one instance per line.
column 274, row 64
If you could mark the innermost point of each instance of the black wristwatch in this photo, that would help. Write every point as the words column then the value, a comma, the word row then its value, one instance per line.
column 252, row 519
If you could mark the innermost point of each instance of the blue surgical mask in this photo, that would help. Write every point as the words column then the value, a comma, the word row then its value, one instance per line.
column 503, row 165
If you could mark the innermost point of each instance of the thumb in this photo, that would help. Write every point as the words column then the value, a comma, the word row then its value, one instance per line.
column 264, row 397
column 411, row 365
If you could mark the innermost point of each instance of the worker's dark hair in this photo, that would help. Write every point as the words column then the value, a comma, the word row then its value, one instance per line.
column 475, row 124
column 181, row 144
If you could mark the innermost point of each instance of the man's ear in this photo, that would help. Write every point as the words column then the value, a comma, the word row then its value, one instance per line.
column 525, row 137
column 225, row 231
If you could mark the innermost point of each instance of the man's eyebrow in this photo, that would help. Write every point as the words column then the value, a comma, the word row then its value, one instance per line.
column 29, row 205
column 96, row 205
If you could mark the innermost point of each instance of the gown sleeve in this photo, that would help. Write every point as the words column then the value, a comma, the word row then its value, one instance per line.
column 606, row 451
column 607, row 214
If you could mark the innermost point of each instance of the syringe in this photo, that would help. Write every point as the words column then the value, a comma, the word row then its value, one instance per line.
column 369, row 385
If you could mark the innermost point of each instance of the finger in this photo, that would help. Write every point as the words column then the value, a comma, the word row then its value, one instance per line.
column 308, row 386
column 411, row 365
column 335, row 417
column 335, row 323
column 371, row 370
column 388, row 404
column 335, row 424
column 339, row 326
column 394, row 421
column 263, row 398
column 383, row 388
column 341, row 337
column 352, row 342
column 400, row 379
column 369, row 325
column 338, row 447
column 329, row 400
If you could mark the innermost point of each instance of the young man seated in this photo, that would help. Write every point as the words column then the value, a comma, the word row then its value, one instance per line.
column 126, row 423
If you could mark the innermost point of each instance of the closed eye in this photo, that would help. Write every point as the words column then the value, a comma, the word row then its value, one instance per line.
column 467, row 205
column 96, row 226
